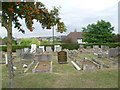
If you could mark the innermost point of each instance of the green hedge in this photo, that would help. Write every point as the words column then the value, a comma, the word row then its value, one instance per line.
column 4, row 48
column 69, row 46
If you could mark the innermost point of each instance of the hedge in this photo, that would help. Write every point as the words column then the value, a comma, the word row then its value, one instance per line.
column 69, row 46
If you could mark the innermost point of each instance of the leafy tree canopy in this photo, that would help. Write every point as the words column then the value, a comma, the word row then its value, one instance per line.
column 101, row 32
column 30, row 11
column 28, row 41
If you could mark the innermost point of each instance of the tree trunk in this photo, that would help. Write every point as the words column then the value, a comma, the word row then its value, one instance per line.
column 9, row 52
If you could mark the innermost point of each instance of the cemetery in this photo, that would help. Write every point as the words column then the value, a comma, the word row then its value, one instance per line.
column 59, row 61
column 88, row 58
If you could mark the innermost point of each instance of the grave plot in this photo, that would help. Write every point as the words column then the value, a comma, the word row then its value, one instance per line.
column 107, row 62
column 43, row 66
column 44, row 63
column 87, row 64
column 23, row 66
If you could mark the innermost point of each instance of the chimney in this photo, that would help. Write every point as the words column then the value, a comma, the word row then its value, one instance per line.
column 75, row 30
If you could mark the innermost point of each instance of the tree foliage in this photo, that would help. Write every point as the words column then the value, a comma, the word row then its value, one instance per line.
column 30, row 11
column 5, row 40
column 101, row 32
column 28, row 41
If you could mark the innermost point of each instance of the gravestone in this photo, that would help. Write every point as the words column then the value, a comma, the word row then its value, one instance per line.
column 19, row 52
column 55, row 46
column 113, row 52
column 26, row 50
column 85, row 59
column 6, row 59
column 88, row 47
column 48, row 49
column 39, row 50
column 81, row 46
column 62, row 57
column 58, row 49
column 99, row 55
column 33, row 48
column 95, row 46
column 44, row 57
column 103, row 47
column 27, row 57
column 42, row 47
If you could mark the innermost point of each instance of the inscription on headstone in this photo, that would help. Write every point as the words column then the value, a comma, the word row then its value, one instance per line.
column 62, row 57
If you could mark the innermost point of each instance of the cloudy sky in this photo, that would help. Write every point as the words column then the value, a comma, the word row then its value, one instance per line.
column 75, row 14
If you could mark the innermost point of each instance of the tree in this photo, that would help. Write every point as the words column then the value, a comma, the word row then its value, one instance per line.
column 101, row 32
column 117, row 38
column 5, row 40
column 28, row 41
column 13, row 11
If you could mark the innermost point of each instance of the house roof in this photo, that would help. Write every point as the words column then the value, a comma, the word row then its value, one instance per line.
column 73, row 36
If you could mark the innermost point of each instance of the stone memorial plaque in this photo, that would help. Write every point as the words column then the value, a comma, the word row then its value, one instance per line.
column 48, row 49
column 62, row 57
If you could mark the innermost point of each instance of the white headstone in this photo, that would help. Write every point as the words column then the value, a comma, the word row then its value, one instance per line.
column 42, row 48
column 33, row 48
column 26, row 50
column 57, row 48
column 6, row 59
column 48, row 49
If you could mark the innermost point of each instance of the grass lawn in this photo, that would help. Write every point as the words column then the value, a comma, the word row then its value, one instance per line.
column 64, row 76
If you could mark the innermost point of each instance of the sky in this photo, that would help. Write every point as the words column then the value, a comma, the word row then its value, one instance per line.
column 75, row 14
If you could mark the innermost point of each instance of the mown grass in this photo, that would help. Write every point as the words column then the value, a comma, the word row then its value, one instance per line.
column 65, row 76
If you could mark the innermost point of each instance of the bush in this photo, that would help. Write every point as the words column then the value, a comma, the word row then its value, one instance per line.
column 4, row 48
column 69, row 46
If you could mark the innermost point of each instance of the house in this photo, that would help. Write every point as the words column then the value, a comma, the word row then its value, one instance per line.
column 74, row 37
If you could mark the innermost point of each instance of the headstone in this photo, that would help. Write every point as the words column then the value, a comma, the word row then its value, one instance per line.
column 39, row 50
column 24, row 66
column 95, row 46
column 113, row 52
column 57, row 48
column 26, row 50
column 81, row 46
column 33, row 48
column 99, row 55
column 103, row 47
column 19, row 52
column 48, row 49
column 62, row 57
column 42, row 47
column 27, row 57
column 6, row 59
column 44, row 57
column 85, row 59
column 88, row 47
